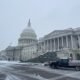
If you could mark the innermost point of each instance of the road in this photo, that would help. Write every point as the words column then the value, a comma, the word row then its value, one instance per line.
column 31, row 71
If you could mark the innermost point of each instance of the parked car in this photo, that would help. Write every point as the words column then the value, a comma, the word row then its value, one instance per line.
column 65, row 63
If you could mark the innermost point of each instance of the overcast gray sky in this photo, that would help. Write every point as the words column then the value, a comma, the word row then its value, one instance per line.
column 45, row 15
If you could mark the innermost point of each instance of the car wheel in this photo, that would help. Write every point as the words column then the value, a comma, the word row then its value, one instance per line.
column 77, row 68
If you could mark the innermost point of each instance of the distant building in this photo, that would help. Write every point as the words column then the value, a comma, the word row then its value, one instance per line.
column 3, row 55
column 66, row 43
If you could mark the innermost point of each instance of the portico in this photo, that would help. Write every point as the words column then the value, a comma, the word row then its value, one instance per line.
column 60, row 40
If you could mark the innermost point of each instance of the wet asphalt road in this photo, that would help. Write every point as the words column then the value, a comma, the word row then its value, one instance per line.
column 34, row 72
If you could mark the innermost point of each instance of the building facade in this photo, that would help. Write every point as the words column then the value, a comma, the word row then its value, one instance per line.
column 66, row 43
column 28, row 41
column 26, row 48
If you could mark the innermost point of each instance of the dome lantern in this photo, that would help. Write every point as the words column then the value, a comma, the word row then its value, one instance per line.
column 29, row 23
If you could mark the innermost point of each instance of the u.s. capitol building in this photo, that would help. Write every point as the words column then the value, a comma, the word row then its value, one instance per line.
column 26, row 48
column 66, row 43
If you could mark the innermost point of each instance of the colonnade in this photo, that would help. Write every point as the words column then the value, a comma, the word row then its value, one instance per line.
column 59, row 43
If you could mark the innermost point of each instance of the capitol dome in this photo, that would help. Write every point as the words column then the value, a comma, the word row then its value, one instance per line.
column 28, row 36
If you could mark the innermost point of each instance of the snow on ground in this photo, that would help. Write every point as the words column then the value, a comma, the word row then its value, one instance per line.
column 38, row 77
column 14, row 62
column 9, row 62
column 12, row 77
column 74, row 75
column 69, row 73
column 47, row 68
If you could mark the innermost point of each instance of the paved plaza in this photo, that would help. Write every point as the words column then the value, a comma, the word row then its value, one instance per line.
column 31, row 71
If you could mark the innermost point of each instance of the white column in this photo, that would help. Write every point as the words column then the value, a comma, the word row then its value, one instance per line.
column 62, row 42
column 54, row 45
column 67, row 41
column 72, row 41
column 79, row 40
column 50, row 44
column 44, row 45
column 47, row 45
column 58, row 43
